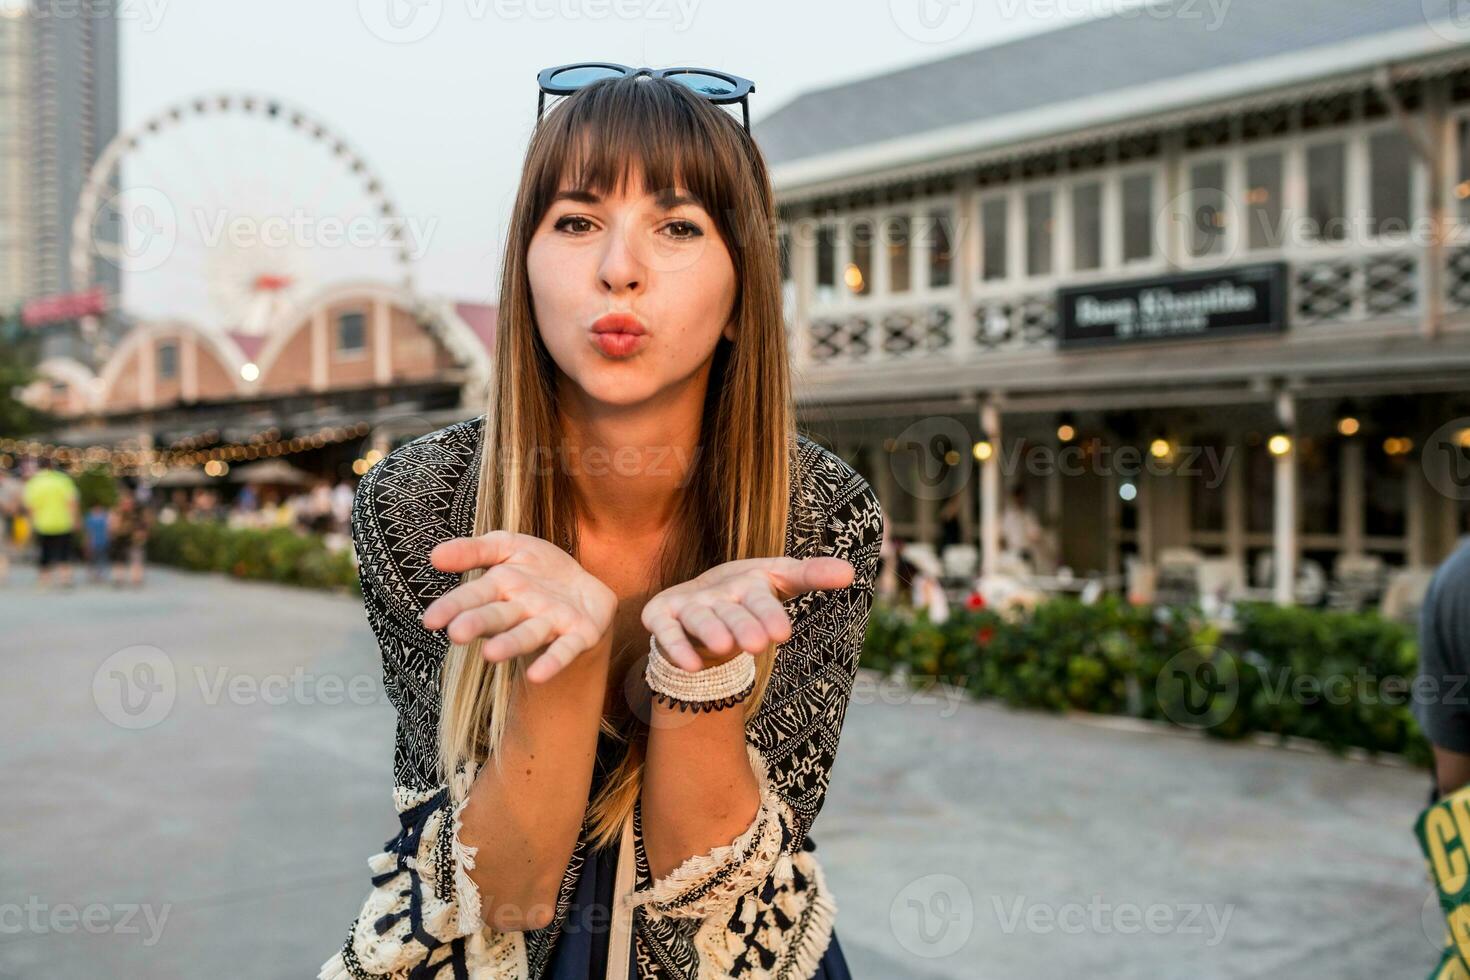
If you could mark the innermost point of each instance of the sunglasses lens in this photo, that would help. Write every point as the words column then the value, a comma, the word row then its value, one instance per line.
column 710, row 86
column 580, row 75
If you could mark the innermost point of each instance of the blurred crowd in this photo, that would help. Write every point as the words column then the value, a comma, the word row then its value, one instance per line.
column 47, row 518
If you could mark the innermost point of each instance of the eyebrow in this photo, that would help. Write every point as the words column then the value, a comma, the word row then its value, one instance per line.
column 666, row 199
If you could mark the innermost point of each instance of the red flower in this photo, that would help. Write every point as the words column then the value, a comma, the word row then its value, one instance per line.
column 975, row 602
column 983, row 635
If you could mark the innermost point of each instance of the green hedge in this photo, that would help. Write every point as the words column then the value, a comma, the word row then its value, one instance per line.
column 1341, row 679
column 274, row 555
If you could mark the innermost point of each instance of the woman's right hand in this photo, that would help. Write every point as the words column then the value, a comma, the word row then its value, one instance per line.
column 533, row 595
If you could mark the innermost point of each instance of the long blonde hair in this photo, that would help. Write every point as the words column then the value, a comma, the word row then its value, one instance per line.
column 736, row 494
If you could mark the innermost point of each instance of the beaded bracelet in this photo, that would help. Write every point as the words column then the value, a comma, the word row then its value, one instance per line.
column 711, row 689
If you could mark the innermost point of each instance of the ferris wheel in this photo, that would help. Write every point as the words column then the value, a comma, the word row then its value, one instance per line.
column 224, row 209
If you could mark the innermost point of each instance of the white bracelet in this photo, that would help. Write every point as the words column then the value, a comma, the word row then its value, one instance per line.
column 710, row 689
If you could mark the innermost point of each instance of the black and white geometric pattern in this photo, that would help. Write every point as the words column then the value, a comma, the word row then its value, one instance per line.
column 424, row 492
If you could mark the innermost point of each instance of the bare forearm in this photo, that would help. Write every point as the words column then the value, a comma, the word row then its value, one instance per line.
column 699, row 792
column 525, row 815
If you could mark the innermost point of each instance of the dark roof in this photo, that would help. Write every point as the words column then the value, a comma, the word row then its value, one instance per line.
column 1120, row 51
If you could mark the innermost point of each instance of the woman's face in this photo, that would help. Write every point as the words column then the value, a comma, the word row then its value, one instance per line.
column 657, row 257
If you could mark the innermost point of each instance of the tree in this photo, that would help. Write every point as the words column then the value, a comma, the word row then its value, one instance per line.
column 19, row 353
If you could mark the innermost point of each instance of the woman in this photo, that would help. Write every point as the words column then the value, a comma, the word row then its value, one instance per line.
column 636, row 474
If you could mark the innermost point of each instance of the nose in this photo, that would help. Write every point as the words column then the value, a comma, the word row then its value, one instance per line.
column 621, row 270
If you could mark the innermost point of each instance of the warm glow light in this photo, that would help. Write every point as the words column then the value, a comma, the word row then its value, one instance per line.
column 1463, row 438
column 1065, row 433
column 983, row 450
column 1279, row 444
column 853, row 276
column 1347, row 426
column 1398, row 445
column 1159, row 448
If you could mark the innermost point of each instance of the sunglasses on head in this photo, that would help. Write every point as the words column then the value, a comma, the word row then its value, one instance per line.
column 718, row 87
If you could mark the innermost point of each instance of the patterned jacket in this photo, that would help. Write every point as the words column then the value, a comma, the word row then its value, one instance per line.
column 758, row 907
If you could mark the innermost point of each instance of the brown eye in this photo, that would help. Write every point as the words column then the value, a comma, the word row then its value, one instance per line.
column 563, row 223
column 683, row 230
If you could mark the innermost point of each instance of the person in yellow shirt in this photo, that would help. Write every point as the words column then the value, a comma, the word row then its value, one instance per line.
column 52, row 500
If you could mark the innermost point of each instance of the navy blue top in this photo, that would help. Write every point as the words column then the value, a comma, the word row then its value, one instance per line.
column 581, row 949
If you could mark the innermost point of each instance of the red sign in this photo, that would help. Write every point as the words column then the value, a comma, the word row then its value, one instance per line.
column 68, row 306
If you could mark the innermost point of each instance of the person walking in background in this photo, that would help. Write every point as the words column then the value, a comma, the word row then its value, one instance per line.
column 95, row 528
column 11, row 504
column 52, row 500
column 129, row 536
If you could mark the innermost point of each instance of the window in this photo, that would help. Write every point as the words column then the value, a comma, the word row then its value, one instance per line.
column 351, row 332
column 1087, row 226
column 1138, row 217
column 941, row 249
column 993, row 239
column 826, row 264
column 1038, row 233
column 1263, row 201
column 896, row 241
column 168, row 361
column 1207, row 213
column 859, row 272
column 1390, row 163
column 1326, row 192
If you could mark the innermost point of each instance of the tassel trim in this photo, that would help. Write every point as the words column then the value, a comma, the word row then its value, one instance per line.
column 705, row 884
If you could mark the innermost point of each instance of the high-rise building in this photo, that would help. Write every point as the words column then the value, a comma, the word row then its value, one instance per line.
column 58, row 111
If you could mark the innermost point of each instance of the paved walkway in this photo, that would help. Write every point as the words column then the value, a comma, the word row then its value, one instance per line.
column 196, row 772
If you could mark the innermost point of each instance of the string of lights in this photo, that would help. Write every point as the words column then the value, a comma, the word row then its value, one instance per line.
column 215, row 459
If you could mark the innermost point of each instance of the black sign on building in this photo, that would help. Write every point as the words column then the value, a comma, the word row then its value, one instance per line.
column 1245, row 299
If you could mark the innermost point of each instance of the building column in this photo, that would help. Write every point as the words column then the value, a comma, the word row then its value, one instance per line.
column 803, row 245
column 1235, row 507
column 189, row 366
column 1352, row 515
column 1284, row 524
column 990, row 490
column 1415, row 519
column 320, row 350
column 382, row 320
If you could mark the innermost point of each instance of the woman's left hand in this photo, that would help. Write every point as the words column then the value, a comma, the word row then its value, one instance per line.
column 736, row 607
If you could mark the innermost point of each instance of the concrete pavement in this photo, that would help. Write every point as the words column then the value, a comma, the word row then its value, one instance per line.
column 196, row 772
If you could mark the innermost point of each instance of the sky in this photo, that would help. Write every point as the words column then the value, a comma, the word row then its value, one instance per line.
column 439, row 97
